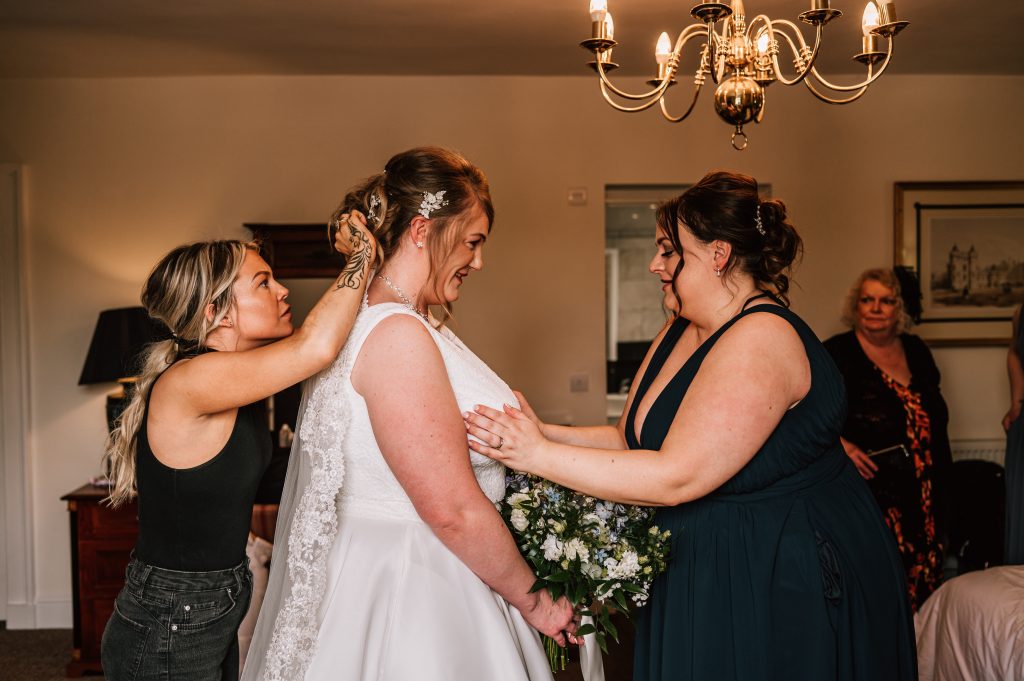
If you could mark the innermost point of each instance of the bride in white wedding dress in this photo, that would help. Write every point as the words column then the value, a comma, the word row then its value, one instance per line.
column 397, row 566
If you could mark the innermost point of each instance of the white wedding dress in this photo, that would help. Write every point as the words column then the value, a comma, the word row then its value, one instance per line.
column 362, row 588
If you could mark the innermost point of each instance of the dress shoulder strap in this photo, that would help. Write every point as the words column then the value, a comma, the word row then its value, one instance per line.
column 368, row 319
column 798, row 324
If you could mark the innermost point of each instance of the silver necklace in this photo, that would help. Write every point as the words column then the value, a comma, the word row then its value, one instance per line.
column 401, row 294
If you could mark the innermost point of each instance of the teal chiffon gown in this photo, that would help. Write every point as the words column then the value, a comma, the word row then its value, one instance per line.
column 786, row 572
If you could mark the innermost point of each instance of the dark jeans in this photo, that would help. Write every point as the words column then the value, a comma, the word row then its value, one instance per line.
column 176, row 626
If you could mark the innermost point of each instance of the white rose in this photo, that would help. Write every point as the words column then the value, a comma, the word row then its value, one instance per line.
column 575, row 549
column 519, row 520
column 517, row 499
column 552, row 548
column 627, row 567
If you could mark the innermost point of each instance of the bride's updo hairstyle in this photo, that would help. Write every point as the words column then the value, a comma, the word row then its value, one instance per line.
column 391, row 199
column 725, row 206
column 177, row 293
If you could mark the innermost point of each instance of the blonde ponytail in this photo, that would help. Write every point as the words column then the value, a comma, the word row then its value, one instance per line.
column 178, row 292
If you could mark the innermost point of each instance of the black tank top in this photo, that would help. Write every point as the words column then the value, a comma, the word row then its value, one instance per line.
column 197, row 519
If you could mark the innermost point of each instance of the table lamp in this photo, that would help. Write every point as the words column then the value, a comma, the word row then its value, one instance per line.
column 120, row 336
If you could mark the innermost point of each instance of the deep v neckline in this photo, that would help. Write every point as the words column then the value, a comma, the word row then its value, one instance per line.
column 661, row 354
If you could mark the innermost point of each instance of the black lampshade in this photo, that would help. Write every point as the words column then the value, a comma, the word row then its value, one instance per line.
column 120, row 336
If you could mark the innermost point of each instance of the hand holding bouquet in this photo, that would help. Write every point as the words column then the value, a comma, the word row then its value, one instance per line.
column 596, row 553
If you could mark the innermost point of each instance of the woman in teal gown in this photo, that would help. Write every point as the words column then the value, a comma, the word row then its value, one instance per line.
column 782, row 567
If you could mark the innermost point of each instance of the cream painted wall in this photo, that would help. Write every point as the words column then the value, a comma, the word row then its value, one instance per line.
column 121, row 170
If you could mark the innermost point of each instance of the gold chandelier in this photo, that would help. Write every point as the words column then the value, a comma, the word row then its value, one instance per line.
column 743, row 58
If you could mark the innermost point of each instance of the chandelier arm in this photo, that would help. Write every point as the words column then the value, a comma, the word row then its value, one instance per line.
column 656, row 92
column 686, row 35
column 797, row 52
column 627, row 109
column 830, row 100
column 675, row 119
column 868, row 81
column 717, row 66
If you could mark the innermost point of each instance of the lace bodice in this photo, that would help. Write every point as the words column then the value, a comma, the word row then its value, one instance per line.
column 370, row 489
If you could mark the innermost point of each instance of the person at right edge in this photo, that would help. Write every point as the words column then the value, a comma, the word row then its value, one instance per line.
column 895, row 430
column 1014, row 462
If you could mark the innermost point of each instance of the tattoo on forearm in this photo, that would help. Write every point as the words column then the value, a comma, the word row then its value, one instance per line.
column 358, row 261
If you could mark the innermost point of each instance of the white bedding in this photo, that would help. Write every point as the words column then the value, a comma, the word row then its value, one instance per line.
column 972, row 628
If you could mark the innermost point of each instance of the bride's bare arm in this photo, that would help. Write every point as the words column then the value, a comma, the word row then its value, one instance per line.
column 401, row 375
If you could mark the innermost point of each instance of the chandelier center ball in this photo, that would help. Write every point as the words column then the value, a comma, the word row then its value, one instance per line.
column 739, row 99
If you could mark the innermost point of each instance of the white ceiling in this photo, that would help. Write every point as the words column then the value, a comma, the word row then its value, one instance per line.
column 100, row 38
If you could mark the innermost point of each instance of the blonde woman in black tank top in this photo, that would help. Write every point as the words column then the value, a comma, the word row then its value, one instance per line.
column 192, row 445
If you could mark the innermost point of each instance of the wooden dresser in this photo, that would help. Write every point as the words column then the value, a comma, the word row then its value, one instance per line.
column 101, row 543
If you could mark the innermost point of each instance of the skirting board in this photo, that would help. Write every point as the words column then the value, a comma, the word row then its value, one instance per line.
column 49, row 615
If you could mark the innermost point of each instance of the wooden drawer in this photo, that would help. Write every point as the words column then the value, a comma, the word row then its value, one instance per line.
column 99, row 521
column 101, row 565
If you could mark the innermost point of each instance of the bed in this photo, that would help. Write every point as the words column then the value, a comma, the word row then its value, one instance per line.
column 972, row 628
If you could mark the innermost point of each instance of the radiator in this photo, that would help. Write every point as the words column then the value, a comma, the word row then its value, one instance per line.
column 986, row 450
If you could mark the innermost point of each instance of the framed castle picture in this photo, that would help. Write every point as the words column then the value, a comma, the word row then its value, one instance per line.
column 965, row 241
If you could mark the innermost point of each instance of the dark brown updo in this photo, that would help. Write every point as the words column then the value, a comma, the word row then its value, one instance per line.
column 391, row 199
column 724, row 206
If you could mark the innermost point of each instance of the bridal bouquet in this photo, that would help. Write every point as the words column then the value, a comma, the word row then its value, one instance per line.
column 596, row 553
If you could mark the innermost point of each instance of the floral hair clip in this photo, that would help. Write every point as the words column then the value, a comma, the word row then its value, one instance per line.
column 757, row 221
column 432, row 202
column 374, row 205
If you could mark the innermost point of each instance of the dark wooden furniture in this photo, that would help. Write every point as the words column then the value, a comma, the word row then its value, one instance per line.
column 297, row 250
column 101, row 543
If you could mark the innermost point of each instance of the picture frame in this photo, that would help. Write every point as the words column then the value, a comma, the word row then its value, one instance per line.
column 965, row 241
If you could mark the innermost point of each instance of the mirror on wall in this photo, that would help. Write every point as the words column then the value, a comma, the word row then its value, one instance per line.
column 634, row 313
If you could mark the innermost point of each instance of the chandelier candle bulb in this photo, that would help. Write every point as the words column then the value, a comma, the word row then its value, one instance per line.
column 663, row 49
column 762, row 44
column 609, row 25
column 869, row 21
column 598, row 8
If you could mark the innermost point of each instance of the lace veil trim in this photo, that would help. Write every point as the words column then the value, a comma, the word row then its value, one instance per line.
column 314, row 524
column 325, row 419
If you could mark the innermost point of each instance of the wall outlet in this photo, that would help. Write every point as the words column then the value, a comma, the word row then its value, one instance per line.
column 577, row 196
column 579, row 383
